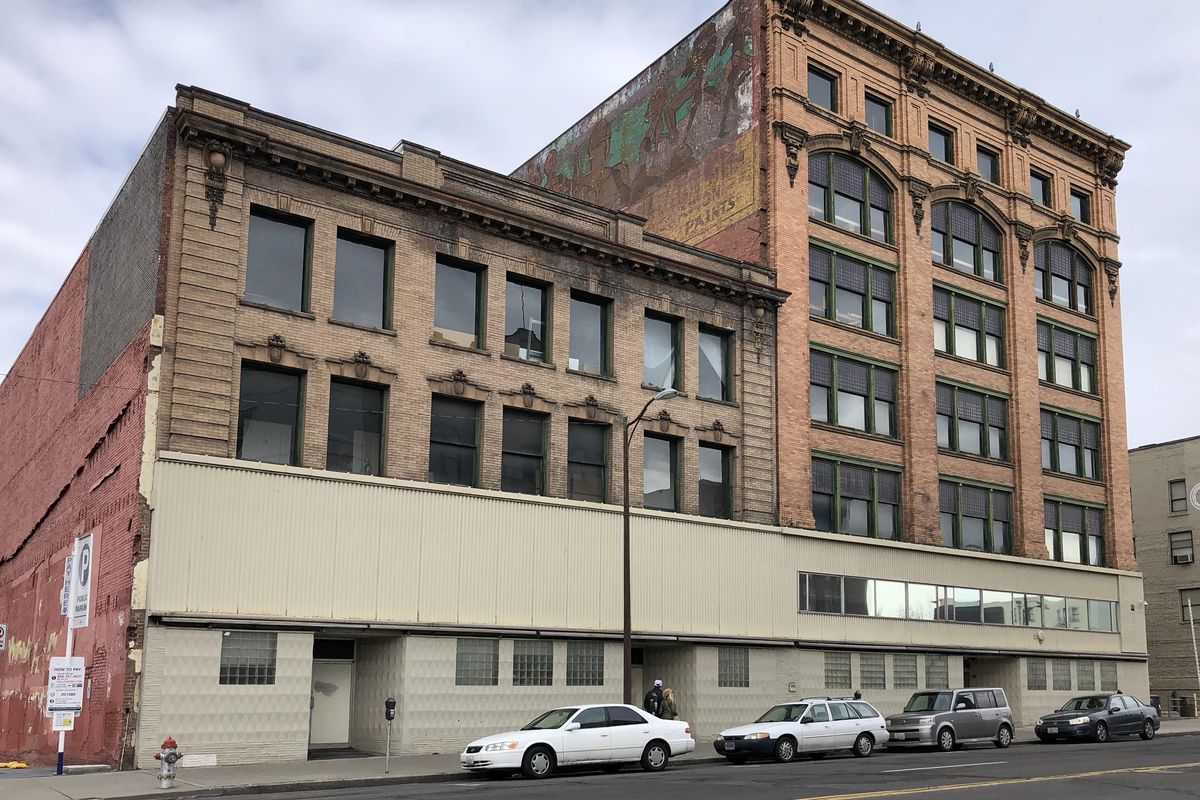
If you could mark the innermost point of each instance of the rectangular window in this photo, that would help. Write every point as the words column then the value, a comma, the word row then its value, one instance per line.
column 1182, row 551
column 585, row 663
column 533, row 663
column 975, row 518
column 873, row 670
column 822, row 88
column 851, row 291
column 269, row 415
column 941, row 143
column 937, row 672
column 587, row 461
column 1039, row 188
column 1085, row 675
column 716, row 486
column 1187, row 596
column 879, row 115
column 852, row 394
column 277, row 259
column 362, row 286
column 904, row 671
column 590, row 328
column 1066, row 358
column 824, row 594
column 733, row 667
column 477, row 662
column 857, row 500
column 453, row 441
column 997, row 607
column 660, row 473
column 1074, row 533
column 1081, row 206
column 248, row 658
column 661, row 346
column 968, row 328
column 1177, row 492
column 972, row 422
column 458, row 303
column 715, row 364
column 1036, row 674
column 1102, row 616
column 889, row 599
column 1027, row 610
column 526, row 320
column 988, row 162
column 1062, row 674
column 356, row 415
column 1070, row 445
column 966, row 604
column 522, row 466
column 837, row 671
column 1108, row 676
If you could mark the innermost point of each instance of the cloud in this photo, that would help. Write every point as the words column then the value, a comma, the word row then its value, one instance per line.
column 491, row 82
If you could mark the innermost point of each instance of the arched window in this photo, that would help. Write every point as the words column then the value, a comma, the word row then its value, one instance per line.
column 1063, row 276
column 849, row 194
column 965, row 240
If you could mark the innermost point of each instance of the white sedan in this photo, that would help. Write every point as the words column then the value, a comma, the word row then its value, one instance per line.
column 813, row 726
column 584, row 734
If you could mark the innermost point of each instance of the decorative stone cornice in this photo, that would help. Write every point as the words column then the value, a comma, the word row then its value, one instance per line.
column 1024, row 232
column 1112, row 269
column 794, row 140
column 918, row 190
column 926, row 63
column 856, row 136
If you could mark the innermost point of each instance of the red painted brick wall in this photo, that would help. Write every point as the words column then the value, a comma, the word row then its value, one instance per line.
column 67, row 466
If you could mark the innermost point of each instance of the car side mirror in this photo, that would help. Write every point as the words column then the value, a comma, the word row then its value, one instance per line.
column 572, row 726
column 806, row 720
column 960, row 706
column 1113, row 710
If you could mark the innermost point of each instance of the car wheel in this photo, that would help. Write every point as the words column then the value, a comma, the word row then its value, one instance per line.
column 1101, row 732
column 1147, row 730
column 655, row 756
column 864, row 745
column 785, row 749
column 1004, row 737
column 945, row 740
column 539, row 762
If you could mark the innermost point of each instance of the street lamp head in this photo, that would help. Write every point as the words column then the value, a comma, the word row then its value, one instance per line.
column 666, row 394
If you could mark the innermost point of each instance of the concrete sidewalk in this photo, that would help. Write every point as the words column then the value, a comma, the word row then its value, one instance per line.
column 315, row 775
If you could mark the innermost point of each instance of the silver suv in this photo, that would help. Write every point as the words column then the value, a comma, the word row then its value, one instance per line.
column 950, row 718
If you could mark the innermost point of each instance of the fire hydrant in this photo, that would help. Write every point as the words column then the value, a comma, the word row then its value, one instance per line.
column 167, row 757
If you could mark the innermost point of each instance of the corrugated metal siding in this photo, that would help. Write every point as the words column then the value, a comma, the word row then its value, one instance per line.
column 237, row 539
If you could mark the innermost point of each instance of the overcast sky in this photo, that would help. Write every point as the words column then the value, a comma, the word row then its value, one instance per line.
column 491, row 81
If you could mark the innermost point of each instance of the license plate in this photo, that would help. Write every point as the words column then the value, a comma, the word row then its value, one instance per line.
column 898, row 737
column 469, row 760
column 730, row 745
column 1051, row 730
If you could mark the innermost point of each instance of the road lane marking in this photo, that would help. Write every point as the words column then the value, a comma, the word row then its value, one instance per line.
column 1003, row 782
column 948, row 766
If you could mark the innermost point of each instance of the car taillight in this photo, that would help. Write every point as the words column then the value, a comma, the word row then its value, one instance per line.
column 688, row 729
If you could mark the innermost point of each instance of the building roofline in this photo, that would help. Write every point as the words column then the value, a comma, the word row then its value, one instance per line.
column 1164, row 444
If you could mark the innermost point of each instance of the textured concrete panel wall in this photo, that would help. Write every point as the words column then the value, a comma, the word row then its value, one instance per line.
column 125, row 256
column 377, row 676
column 182, row 697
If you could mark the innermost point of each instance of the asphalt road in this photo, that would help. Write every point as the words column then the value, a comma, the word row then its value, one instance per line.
column 1163, row 768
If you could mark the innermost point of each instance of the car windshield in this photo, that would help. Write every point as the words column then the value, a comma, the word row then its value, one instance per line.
column 788, row 712
column 929, row 701
column 551, row 719
column 1091, row 703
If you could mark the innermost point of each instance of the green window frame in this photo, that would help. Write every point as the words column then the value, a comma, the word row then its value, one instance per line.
column 836, row 278
column 277, row 274
column 958, row 408
column 1041, row 188
column 1081, row 205
column 349, row 305
column 1070, row 444
column 849, row 194
column 958, row 226
column 945, row 138
column 957, row 318
column 1061, row 349
column 1059, row 268
column 834, row 380
column 878, row 113
column 959, row 501
column 987, row 162
column 1074, row 532
column 856, row 498
column 823, row 75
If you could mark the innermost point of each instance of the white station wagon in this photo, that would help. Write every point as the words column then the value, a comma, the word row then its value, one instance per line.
column 812, row 726
column 586, row 734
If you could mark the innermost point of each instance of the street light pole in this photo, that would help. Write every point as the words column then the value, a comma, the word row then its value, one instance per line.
column 630, row 427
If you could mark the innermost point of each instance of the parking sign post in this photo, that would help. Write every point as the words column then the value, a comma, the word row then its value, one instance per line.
column 77, row 607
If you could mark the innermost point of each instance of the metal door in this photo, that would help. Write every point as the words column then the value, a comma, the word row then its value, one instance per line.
column 329, row 721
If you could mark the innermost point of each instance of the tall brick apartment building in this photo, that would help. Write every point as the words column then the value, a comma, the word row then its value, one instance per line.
column 346, row 420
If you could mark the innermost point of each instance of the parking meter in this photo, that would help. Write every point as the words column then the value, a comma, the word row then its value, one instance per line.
column 389, row 713
column 389, row 709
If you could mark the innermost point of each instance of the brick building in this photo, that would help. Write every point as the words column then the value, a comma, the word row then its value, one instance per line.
column 1165, row 496
column 376, row 391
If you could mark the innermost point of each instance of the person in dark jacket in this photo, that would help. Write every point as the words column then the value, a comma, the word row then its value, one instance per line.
column 653, row 701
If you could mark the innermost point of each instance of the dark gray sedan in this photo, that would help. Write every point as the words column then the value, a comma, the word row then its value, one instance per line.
column 1099, row 717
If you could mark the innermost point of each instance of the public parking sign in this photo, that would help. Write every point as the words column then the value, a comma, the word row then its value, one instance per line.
column 83, row 576
column 64, row 690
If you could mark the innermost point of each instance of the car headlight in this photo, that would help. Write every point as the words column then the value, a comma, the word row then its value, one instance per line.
column 757, row 736
column 1040, row 721
column 497, row 746
column 1078, row 721
column 925, row 721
